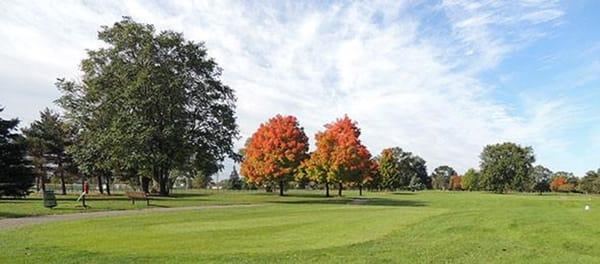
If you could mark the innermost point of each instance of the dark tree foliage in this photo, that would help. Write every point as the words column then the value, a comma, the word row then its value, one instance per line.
column 541, row 179
column 440, row 177
column 16, row 176
column 150, row 102
column 48, row 138
column 397, row 168
column 590, row 183
column 506, row 166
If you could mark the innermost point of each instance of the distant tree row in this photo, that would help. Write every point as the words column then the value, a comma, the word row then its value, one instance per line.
column 277, row 153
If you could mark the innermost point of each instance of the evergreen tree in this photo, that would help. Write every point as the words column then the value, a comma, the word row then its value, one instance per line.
column 16, row 176
column 48, row 138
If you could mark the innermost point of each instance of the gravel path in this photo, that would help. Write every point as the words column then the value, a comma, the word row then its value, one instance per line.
column 11, row 223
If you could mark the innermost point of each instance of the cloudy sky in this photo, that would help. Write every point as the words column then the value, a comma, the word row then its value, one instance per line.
column 437, row 78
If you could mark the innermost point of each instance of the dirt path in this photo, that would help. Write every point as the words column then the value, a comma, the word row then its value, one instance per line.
column 11, row 223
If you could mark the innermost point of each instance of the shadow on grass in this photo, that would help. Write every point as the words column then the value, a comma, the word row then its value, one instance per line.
column 357, row 201
column 182, row 195
column 293, row 194
column 70, row 198
column 404, row 193
column 11, row 215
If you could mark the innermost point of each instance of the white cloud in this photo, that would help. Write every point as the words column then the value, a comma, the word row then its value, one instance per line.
column 372, row 61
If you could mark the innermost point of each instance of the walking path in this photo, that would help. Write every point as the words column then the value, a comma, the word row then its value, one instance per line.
column 11, row 223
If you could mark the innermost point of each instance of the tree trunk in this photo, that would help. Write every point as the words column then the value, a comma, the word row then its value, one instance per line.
column 62, row 179
column 327, row 189
column 62, row 184
column 360, row 189
column 145, row 184
column 340, row 187
column 281, row 184
column 37, row 183
column 108, row 185
column 43, row 182
column 163, row 182
column 100, row 184
column 163, row 187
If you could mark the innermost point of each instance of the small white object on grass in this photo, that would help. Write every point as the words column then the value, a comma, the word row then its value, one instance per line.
column 587, row 207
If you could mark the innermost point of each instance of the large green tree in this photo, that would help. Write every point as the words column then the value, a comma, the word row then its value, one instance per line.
column 16, row 176
column 48, row 138
column 150, row 102
column 440, row 177
column 506, row 166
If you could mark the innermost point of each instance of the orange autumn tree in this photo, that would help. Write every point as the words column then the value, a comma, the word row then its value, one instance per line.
column 557, row 182
column 340, row 156
column 456, row 182
column 275, row 151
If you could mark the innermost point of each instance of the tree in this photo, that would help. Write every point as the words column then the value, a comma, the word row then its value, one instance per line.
column 416, row 184
column 234, row 182
column 541, row 179
column 340, row 156
column 590, row 183
column 455, row 183
column 48, row 139
column 506, row 166
column 149, row 102
column 275, row 151
column 413, row 166
column 441, row 177
column 202, row 181
column 563, row 181
column 470, row 181
column 16, row 176
column 389, row 168
column 397, row 169
column 557, row 182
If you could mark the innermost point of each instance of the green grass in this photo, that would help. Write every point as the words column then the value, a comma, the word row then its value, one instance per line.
column 426, row 227
column 32, row 206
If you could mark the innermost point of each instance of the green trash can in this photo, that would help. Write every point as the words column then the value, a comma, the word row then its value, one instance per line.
column 49, row 199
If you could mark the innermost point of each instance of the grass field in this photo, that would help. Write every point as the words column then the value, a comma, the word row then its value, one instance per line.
column 425, row 227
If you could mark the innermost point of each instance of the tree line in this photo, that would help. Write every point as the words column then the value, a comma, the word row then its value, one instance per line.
column 277, row 153
column 150, row 106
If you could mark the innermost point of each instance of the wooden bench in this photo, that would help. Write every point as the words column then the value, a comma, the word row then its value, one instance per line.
column 139, row 196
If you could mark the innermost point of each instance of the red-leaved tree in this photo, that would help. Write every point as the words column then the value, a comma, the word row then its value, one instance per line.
column 340, row 157
column 275, row 151
column 557, row 183
column 455, row 183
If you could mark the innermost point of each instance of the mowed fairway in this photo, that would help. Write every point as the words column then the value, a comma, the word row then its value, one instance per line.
column 426, row 227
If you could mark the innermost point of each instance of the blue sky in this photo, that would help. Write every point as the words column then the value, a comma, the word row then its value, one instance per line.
column 438, row 78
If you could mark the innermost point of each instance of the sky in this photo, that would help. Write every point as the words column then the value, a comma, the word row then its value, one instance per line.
column 441, row 79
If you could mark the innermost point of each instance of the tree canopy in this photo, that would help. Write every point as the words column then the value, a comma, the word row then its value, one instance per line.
column 541, row 179
column 471, row 180
column 340, row 156
column 149, row 102
column 48, row 139
column 15, row 175
column 506, row 166
column 441, row 176
column 275, row 151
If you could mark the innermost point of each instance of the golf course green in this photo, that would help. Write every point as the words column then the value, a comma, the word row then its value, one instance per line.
column 305, row 227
